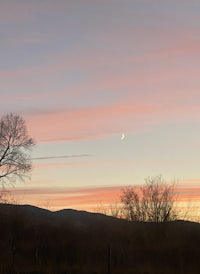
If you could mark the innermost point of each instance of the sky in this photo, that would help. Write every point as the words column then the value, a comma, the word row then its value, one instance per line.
column 82, row 73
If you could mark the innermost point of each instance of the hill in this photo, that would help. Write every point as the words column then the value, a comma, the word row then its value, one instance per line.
column 36, row 214
column 35, row 240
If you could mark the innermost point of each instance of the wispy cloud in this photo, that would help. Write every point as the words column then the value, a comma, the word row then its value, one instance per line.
column 85, row 123
column 62, row 156
column 88, row 197
column 69, row 197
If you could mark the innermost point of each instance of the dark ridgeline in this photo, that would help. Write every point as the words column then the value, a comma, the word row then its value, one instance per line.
column 35, row 240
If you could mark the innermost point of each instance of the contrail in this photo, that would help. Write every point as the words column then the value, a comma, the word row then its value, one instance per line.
column 62, row 156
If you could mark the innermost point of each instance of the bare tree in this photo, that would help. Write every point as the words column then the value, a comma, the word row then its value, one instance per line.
column 15, row 147
column 113, row 209
column 153, row 202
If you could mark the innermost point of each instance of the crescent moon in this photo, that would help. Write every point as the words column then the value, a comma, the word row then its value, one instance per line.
column 123, row 136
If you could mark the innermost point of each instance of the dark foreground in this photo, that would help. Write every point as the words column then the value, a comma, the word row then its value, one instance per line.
column 38, row 241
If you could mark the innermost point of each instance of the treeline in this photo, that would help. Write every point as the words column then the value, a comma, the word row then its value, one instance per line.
column 39, row 242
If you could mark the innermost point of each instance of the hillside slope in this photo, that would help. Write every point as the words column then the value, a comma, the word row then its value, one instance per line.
column 34, row 240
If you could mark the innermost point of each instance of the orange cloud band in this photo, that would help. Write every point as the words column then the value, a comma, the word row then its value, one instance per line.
column 84, row 198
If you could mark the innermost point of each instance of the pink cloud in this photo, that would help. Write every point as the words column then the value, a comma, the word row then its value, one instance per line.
column 87, row 123
column 175, row 45
column 190, row 182
column 88, row 198
column 188, row 194
column 83, row 123
column 68, row 198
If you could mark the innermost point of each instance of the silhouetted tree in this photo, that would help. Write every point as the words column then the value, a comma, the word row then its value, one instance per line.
column 153, row 202
column 15, row 146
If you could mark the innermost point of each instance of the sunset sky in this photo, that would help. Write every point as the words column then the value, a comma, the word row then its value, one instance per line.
column 84, row 72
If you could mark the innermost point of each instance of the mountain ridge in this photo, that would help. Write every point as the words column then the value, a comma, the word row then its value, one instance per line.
column 67, row 214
